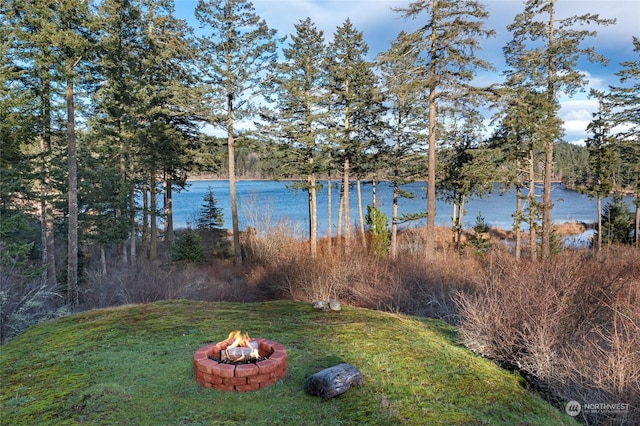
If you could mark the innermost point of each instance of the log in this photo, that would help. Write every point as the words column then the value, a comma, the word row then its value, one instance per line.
column 333, row 381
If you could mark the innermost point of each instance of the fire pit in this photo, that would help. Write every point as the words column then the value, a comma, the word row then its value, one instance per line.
column 240, row 363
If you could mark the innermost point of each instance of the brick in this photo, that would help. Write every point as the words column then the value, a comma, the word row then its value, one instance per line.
column 210, row 378
column 267, row 383
column 224, row 387
column 280, row 357
column 207, row 366
column 223, row 370
column 268, row 345
column 246, row 370
column 234, row 381
column 267, row 366
column 258, row 378
column 248, row 387
column 200, row 354
column 277, row 347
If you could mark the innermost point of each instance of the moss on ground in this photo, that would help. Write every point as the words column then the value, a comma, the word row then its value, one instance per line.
column 133, row 365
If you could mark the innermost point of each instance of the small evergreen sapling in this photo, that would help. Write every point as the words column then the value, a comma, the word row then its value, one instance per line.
column 211, row 216
column 378, row 230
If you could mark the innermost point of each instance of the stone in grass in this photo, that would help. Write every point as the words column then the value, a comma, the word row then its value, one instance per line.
column 323, row 305
column 320, row 305
column 333, row 381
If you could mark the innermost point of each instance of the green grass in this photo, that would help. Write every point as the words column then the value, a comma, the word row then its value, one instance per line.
column 133, row 365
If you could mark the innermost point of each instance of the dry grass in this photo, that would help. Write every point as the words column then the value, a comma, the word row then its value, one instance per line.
column 571, row 325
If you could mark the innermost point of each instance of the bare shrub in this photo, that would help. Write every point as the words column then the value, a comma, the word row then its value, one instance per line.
column 146, row 281
column 24, row 303
column 570, row 324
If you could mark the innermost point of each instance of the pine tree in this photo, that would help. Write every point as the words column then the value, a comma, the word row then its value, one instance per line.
column 351, row 82
column 525, row 121
column 300, row 87
column 401, row 68
column 234, row 56
column 469, row 169
column 543, row 55
column 115, row 119
column 211, row 216
column 602, row 158
column 165, row 108
column 616, row 220
column 450, row 39
column 625, row 103
column 32, row 82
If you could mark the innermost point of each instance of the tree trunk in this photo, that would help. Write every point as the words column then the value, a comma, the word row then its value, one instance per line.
column 145, row 220
column 46, row 214
column 431, row 168
column 599, row 204
column 103, row 260
column 347, row 217
column 637, row 220
column 237, row 250
column 545, row 248
column 72, row 161
column 393, row 249
column 360, row 215
column 454, row 221
column 532, row 208
column 518, row 246
column 168, row 210
column 374, row 201
column 153, row 207
column 134, row 233
column 329, row 218
column 313, row 217
column 340, row 214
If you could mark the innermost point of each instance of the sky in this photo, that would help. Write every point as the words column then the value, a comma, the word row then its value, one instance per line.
column 380, row 25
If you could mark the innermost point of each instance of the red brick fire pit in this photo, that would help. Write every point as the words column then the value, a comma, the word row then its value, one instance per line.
column 240, row 377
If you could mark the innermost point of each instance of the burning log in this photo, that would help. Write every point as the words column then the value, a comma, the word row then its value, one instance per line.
column 241, row 349
column 240, row 353
column 333, row 381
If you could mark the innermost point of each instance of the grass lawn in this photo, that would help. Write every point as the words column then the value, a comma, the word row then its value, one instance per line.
column 133, row 366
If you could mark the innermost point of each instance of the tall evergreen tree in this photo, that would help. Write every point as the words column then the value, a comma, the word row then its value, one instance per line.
column 114, row 123
column 469, row 169
column 450, row 40
column 526, row 120
column 543, row 55
column 401, row 67
column 625, row 103
column 300, row 87
column 351, row 82
column 164, row 109
column 33, row 78
column 234, row 55
column 602, row 158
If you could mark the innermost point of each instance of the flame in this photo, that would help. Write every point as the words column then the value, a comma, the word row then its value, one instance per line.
column 243, row 340
column 240, row 339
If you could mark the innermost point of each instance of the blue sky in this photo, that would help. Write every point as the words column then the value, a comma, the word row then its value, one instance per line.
column 380, row 25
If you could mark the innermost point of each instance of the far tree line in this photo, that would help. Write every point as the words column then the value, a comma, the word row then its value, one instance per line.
column 107, row 106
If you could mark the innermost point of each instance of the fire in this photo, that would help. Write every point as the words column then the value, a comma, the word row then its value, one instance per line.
column 247, row 348
column 240, row 339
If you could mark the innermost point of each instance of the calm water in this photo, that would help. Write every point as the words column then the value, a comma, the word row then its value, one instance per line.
column 264, row 203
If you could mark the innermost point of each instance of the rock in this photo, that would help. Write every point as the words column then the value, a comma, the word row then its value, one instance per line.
column 333, row 381
column 334, row 305
column 320, row 305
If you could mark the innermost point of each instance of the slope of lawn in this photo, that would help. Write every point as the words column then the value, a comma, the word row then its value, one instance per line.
column 133, row 365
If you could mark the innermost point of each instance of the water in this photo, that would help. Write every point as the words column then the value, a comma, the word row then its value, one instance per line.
column 264, row 203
